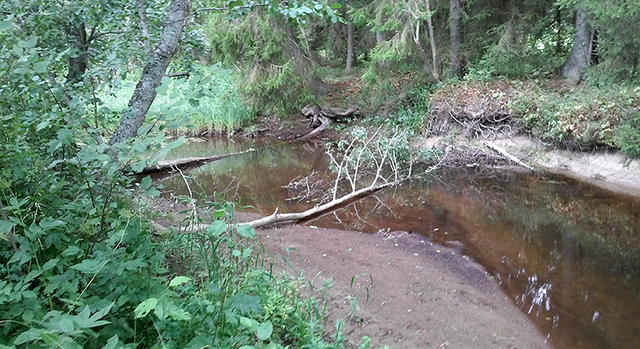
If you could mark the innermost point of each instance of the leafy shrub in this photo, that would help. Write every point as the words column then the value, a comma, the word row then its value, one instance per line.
column 582, row 117
column 628, row 136
column 79, row 264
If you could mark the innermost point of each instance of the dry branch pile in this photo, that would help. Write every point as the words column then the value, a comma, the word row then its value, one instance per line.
column 478, row 110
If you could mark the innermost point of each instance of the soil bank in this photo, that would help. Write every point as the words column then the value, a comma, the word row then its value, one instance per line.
column 411, row 293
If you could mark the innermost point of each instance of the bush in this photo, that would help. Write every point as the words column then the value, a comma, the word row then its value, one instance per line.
column 581, row 117
column 628, row 136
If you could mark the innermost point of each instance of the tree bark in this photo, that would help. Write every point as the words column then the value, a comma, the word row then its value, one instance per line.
column 350, row 47
column 145, row 91
column 432, row 42
column 578, row 62
column 144, row 26
column 455, row 33
column 78, row 63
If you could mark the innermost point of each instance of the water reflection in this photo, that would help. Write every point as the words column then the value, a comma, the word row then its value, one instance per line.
column 567, row 253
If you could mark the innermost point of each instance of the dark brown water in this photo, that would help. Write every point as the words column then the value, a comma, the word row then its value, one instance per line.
column 568, row 254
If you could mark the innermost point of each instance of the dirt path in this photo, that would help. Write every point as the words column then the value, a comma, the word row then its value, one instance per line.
column 420, row 295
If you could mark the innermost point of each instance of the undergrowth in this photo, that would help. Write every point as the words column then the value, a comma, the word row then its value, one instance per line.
column 207, row 102
column 580, row 117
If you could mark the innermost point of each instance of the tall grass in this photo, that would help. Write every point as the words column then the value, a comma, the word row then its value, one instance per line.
column 205, row 103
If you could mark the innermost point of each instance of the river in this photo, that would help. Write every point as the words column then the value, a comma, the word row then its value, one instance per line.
column 566, row 253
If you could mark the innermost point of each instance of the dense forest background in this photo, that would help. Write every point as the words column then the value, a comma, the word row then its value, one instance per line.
column 91, row 88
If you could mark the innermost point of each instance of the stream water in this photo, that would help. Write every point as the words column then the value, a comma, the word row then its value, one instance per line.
column 567, row 253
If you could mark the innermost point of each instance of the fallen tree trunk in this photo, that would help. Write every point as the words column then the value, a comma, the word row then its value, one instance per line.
column 294, row 217
column 504, row 153
column 286, row 217
column 169, row 165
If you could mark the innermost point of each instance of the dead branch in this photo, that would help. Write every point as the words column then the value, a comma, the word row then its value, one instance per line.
column 504, row 153
column 318, row 210
column 170, row 165
column 179, row 74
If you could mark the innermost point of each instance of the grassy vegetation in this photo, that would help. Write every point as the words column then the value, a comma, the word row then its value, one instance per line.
column 208, row 102
column 582, row 117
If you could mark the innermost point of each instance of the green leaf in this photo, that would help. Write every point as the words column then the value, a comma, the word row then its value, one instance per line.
column 50, row 264
column 139, row 166
column 21, row 71
column 28, row 44
column 177, row 313
column 249, row 323
column 66, row 325
column 56, row 341
column 41, row 67
column 216, row 228
column 336, row 5
column 164, row 87
column 264, row 331
column 112, row 343
column 42, row 125
column 101, row 313
column 246, row 231
column 28, row 336
column 179, row 280
column 6, row 226
column 235, row 3
column 5, row 25
column 145, row 307
column 145, row 183
column 65, row 136
column 89, row 266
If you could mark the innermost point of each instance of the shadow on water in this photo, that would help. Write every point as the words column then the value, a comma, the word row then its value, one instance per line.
column 567, row 253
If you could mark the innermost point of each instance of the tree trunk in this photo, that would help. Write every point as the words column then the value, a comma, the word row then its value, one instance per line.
column 380, row 42
column 78, row 63
column 145, row 91
column 350, row 46
column 144, row 26
column 432, row 41
column 575, row 66
column 455, row 32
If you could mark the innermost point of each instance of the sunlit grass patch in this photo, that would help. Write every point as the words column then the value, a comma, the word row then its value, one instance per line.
column 208, row 102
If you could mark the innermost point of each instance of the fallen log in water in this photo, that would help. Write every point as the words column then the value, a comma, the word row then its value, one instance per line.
column 171, row 165
column 294, row 217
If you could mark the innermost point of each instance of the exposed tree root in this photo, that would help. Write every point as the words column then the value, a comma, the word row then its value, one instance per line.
column 324, row 123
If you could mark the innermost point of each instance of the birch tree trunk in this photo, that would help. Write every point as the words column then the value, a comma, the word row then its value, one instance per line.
column 432, row 42
column 580, row 57
column 350, row 44
column 144, row 26
column 455, row 33
column 145, row 91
